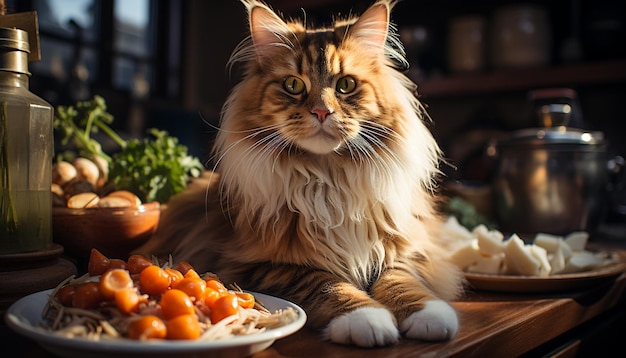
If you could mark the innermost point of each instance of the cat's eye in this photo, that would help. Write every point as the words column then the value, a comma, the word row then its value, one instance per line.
column 293, row 85
column 346, row 84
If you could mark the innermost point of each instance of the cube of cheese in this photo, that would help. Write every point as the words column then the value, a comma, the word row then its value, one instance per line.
column 518, row 258
column 541, row 255
column 566, row 250
column 478, row 229
column 577, row 240
column 558, row 259
column 466, row 254
column 489, row 242
column 487, row 264
column 583, row 261
column 548, row 241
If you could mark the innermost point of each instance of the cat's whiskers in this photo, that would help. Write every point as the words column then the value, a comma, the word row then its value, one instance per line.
column 394, row 48
column 285, row 41
column 383, row 131
column 375, row 159
column 355, row 155
column 374, row 134
column 271, row 144
column 282, row 145
column 257, row 154
column 363, row 148
column 253, row 132
column 243, row 52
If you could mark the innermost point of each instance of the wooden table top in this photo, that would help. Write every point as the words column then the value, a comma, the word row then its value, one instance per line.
column 492, row 324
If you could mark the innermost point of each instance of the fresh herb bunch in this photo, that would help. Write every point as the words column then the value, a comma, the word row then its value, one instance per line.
column 155, row 168
column 77, row 124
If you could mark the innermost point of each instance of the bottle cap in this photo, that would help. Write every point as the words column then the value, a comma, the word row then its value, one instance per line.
column 14, row 50
column 14, row 39
column 26, row 21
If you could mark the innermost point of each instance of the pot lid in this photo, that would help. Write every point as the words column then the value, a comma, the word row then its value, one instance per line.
column 556, row 135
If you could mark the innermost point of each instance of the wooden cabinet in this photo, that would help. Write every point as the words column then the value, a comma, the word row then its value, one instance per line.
column 591, row 70
column 592, row 73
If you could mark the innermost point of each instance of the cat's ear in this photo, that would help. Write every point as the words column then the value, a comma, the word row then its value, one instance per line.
column 267, row 29
column 372, row 26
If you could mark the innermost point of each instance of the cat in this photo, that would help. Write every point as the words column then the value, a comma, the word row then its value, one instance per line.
column 324, row 190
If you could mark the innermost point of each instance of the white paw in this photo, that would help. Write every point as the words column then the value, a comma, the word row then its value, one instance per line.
column 364, row 327
column 437, row 321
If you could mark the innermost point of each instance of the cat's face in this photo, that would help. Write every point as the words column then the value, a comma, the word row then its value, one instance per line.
column 319, row 90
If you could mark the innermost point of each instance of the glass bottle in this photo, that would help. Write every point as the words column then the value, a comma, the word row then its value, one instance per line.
column 26, row 150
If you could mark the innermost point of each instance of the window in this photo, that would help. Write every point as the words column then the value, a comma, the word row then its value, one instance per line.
column 132, row 46
column 115, row 46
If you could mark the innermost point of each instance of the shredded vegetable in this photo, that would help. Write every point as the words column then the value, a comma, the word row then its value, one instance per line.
column 194, row 307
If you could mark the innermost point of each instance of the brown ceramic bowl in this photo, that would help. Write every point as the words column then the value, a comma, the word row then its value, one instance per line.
column 115, row 232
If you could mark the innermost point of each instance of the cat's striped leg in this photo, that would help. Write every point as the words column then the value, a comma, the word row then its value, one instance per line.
column 421, row 313
column 345, row 313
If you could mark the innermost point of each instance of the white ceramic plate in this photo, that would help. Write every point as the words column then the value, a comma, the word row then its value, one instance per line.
column 24, row 316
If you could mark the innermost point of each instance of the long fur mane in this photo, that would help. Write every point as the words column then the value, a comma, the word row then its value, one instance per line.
column 356, row 208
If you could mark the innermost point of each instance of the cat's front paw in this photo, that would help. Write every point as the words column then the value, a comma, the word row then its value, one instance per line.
column 364, row 327
column 437, row 321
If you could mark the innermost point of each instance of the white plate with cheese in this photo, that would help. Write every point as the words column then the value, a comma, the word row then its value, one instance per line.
column 553, row 283
column 493, row 261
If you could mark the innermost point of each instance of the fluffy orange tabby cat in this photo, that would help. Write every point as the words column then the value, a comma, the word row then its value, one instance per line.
column 324, row 186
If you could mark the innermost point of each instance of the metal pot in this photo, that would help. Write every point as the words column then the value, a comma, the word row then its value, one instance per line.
column 551, row 180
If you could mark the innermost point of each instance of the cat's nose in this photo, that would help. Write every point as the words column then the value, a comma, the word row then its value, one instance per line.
column 321, row 113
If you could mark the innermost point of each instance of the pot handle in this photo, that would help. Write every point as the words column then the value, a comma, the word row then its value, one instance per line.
column 616, row 172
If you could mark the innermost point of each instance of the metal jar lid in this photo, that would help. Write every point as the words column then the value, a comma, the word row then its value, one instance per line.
column 556, row 135
column 14, row 50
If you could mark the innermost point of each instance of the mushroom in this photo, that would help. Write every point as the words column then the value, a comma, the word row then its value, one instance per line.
column 63, row 172
column 87, row 170
column 126, row 195
column 114, row 202
column 83, row 200
column 103, row 167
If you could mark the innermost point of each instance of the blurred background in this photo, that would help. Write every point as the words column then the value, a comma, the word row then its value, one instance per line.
column 478, row 65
